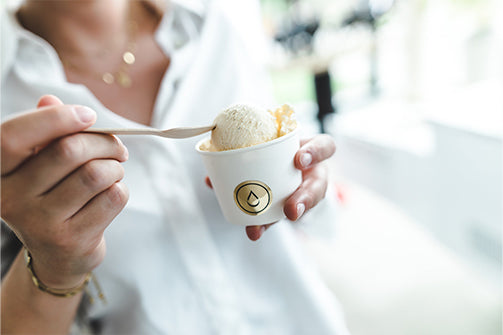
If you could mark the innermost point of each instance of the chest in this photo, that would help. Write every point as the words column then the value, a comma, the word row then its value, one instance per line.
column 135, row 101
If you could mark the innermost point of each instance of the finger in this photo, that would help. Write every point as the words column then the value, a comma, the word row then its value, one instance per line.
column 44, row 101
column 255, row 232
column 49, row 100
column 309, row 194
column 22, row 134
column 60, row 158
column 92, row 178
column 99, row 212
column 314, row 151
column 208, row 182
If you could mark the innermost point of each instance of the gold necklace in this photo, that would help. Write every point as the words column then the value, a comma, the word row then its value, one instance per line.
column 121, row 75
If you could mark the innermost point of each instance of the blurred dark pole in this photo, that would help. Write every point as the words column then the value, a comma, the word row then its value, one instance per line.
column 323, row 89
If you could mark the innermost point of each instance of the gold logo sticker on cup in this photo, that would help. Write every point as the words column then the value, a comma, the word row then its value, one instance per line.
column 253, row 197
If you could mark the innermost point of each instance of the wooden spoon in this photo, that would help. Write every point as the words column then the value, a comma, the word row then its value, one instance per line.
column 180, row 132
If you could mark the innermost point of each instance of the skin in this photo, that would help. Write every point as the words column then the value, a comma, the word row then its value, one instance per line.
column 81, row 30
column 62, row 188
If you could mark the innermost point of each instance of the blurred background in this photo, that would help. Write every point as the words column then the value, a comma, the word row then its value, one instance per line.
column 412, row 91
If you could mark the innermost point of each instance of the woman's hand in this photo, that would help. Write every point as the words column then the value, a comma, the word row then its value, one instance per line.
column 60, row 188
column 310, row 158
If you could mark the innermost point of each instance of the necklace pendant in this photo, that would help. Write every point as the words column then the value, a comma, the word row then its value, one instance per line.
column 128, row 58
column 123, row 79
column 108, row 78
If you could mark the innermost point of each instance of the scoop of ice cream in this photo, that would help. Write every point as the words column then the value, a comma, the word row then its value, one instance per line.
column 241, row 126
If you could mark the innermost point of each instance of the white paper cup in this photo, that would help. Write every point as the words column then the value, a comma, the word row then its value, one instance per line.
column 252, row 184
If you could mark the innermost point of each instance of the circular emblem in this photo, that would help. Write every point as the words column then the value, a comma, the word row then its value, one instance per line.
column 253, row 197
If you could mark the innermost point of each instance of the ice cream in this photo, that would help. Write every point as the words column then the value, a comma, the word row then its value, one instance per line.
column 249, row 160
column 241, row 126
column 285, row 120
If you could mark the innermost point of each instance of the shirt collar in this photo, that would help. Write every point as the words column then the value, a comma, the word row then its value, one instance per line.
column 197, row 7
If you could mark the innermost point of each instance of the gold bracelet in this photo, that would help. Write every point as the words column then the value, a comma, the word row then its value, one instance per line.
column 62, row 293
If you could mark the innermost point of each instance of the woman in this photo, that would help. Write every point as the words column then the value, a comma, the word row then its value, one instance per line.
column 172, row 264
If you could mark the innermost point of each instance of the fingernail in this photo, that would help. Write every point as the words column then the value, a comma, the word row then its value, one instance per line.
column 300, row 209
column 306, row 159
column 85, row 114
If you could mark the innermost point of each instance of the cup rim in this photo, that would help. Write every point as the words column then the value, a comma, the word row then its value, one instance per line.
column 245, row 149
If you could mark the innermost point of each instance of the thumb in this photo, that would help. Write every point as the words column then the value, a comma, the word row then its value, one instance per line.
column 49, row 100
column 28, row 132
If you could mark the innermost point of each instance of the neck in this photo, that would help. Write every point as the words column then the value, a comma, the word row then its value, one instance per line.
column 80, row 26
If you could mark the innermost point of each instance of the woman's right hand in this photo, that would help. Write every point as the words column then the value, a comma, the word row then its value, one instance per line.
column 60, row 188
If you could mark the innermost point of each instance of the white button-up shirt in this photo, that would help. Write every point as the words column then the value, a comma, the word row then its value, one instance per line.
column 173, row 264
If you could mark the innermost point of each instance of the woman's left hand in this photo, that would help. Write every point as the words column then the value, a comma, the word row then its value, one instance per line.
column 311, row 160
